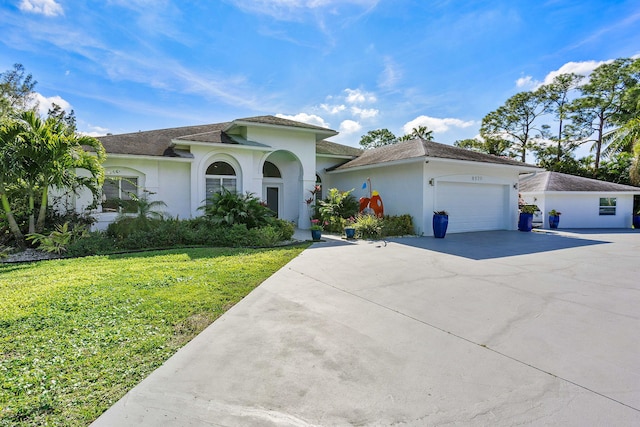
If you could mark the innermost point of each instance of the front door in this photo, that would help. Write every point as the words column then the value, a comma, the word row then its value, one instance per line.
column 273, row 199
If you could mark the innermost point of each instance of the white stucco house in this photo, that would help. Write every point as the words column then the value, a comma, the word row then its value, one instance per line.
column 280, row 160
column 583, row 202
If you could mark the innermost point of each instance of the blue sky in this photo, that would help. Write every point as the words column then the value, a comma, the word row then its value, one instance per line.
column 351, row 65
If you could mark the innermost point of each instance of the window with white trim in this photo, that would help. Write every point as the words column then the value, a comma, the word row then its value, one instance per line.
column 220, row 175
column 117, row 192
column 607, row 206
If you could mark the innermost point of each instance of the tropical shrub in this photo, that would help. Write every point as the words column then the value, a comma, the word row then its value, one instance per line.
column 335, row 208
column 59, row 239
column 368, row 226
column 228, row 208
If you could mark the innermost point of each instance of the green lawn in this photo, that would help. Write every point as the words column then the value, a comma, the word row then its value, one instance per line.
column 76, row 335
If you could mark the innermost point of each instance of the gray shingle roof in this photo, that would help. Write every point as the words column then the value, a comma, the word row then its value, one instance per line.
column 332, row 148
column 153, row 142
column 279, row 121
column 556, row 181
column 158, row 142
column 417, row 148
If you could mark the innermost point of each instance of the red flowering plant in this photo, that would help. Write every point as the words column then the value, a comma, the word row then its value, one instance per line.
column 316, row 224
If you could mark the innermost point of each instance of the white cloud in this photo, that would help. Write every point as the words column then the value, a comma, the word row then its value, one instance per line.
column 527, row 82
column 583, row 68
column 357, row 96
column 42, row 7
column 293, row 10
column 45, row 104
column 435, row 124
column 349, row 126
column 333, row 109
column 390, row 75
column 364, row 113
column 311, row 119
column 95, row 131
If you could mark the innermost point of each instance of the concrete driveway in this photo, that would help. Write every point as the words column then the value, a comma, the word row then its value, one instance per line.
column 495, row 328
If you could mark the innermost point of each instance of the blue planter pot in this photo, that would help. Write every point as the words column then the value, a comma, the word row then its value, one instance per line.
column 636, row 221
column 316, row 234
column 350, row 232
column 440, row 224
column 525, row 222
column 554, row 220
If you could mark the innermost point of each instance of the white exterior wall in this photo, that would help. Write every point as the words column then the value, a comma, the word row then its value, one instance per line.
column 473, row 174
column 399, row 187
column 405, row 188
column 580, row 209
column 166, row 180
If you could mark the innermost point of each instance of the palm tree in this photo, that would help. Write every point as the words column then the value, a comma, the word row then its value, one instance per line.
column 10, row 165
column 421, row 132
column 50, row 155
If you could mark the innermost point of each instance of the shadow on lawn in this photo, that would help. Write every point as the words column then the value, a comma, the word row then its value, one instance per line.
column 197, row 252
column 497, row 244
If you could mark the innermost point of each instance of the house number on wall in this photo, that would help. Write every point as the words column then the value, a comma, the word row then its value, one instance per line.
column 476, row 178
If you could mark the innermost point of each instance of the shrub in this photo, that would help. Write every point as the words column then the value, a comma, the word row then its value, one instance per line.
column 94, row 243
column 227, row 208
column 336, row 207
column 397, row 225
column 368, row 226
column 59, row 239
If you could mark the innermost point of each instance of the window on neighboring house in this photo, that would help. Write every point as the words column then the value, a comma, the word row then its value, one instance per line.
column 220, row 175
column 116, row 194
column 607, row 206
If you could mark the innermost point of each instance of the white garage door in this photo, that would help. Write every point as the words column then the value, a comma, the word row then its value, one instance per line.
column 473, row 207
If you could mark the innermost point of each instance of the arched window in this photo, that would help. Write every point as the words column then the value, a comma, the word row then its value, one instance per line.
column 220, row 175
column 269, row 170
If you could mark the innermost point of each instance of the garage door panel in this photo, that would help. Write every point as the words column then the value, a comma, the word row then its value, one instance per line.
column 472, row 207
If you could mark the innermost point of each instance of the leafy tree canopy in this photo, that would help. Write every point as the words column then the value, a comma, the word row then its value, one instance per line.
column 377, row 138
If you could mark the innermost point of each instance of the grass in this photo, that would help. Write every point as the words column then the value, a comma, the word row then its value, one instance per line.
column 76, row 335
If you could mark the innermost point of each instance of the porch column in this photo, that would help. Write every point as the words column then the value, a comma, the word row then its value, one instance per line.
column 304, row 220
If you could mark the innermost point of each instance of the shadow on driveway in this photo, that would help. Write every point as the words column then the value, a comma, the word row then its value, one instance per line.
column 497, row 244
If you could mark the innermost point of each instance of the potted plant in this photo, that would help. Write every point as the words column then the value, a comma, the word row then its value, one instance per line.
column 316, row 229
column 349, row 229
column 554, row 218
column 440, row 223
column 525, row 220
column 636, row 219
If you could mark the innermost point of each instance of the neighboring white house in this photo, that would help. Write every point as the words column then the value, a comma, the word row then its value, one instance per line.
column 583, row 202
column 280, row 160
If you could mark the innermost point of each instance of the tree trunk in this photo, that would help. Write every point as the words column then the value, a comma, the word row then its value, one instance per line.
column 43, row 210
column 599, row 146
column 559, row 141
column 32, row 216
column 13, row 225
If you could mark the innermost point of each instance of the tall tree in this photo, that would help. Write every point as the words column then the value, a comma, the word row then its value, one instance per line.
column 495, row 146
column 602, row 103
column 377, row 138
column 16, row 90
column 557, row 96
column 515, row 122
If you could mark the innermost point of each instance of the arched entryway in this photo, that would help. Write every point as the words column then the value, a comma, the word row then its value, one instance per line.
column 282, row 184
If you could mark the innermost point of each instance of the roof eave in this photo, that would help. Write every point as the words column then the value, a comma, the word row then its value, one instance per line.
column 148, row 157
column 320, row 134
column 222, row 144
column 380, row 165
